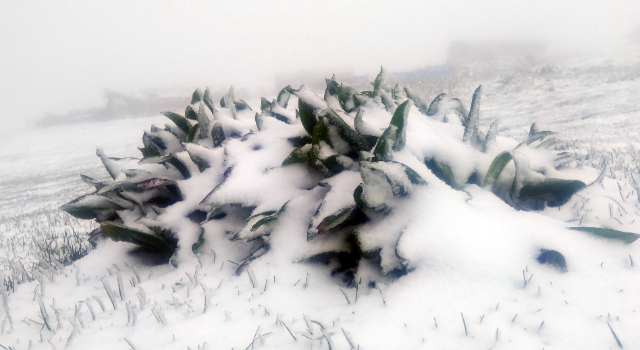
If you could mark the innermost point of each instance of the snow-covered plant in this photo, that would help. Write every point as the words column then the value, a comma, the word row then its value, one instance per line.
column 339, row 169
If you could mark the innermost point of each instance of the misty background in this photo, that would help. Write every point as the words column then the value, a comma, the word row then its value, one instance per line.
column 57, row 56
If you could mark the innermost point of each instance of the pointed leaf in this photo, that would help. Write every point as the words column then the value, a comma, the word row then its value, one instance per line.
column 217, row 134
column 283, row 96
column 442, row 171
column 345, row 217
column 241, row 105
column 91, row 206
column 232, row 103
column 420, row 103
column 535, row 137
column 181, row 122
column 265, row 105
column 491, row 134
column 473, row 120
column 93, row 182
column 170, row 159
column 555, row 192
column 496, row 167
column 259, row 121
column 433, row 107
column 208, row 102
column 121, row 233
column 196, row 96
column 625, row 237
column 203, row 123
column 380, row 80
column 399, row 120
column 109, row 164
column 299, row 155
column 384, row 146
column 189, row 113
column 307, row 117
column 352, row 137
column 192, row 133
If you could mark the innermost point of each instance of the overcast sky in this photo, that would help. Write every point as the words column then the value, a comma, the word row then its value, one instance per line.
column 60, row 55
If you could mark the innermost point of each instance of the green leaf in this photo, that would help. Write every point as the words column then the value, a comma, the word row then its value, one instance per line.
column 192, row 133
column 91, row 206
column 259, row 121
column 420, row 104
column 265, row 105
column 189, row 113
column 208, row 102
column 345, row 217
column 364, row 129
column 241, row 105
column 199, row 162
column 320, row 133
column 387, row 101
column 93, row 182
column 442, row 171
column 399, row 120
column 473, row 119
column 496, row 167
column 109, row 163
column 398, row 93
column 154, row 146
column 196, row 97
column 171, row 159
column 384, row 146
column 625, row 237
column 181, row 122
column 121, row 233
column 217, row 134
column 345, row 97
column 199, row 243
column 357, row 196
column 536, row 136
column 555, row 192
column 283, row 96
column 333, row 165
column 548, row 143
column 307, row 117
column 380, row 80
column 231, row 101
column 553, row 258
column 352, row 137
column 433, row 107
column 491, row 134
column 413, row 176
column 299, row 155
column 331, row 89
column 269, row 218
column 203, row 123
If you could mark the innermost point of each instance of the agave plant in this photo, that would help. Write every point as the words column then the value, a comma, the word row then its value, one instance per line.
column 345, row 154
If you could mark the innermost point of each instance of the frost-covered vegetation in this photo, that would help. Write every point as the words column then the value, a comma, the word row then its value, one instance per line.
column 353, row 219
column 347, row 152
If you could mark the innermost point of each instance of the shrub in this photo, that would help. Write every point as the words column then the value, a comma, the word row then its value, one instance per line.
column 331, row 151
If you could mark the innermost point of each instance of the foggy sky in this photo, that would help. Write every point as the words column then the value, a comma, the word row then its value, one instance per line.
column 60, row 55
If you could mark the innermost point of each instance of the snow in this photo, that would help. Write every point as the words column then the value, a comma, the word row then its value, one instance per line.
column 474, row 281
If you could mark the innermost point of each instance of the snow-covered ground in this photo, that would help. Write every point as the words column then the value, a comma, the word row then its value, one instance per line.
column 475, row 281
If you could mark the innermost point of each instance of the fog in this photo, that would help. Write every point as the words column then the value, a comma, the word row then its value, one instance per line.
column 56, row 56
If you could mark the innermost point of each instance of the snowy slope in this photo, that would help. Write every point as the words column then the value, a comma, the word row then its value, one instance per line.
column 475, row 281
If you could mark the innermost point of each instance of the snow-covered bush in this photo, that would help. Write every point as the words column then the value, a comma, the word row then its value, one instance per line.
column 227, row 180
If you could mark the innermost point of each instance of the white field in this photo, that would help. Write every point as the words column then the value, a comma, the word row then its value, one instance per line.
column 470, row 250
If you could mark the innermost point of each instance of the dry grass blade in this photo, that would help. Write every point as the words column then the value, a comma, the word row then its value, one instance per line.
column 615, row 336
